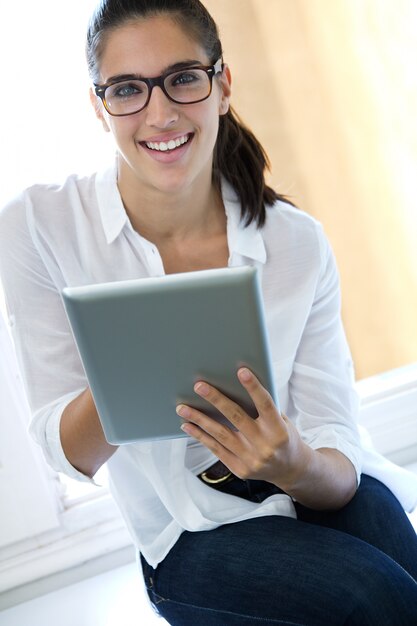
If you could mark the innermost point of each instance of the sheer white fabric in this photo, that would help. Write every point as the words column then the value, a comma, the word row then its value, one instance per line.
column 13, row 401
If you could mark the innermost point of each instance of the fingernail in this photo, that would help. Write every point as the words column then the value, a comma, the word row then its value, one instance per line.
column 183, row 410
column 245, row 374
column 201, row 388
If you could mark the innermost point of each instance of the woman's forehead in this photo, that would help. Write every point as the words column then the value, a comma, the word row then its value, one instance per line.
column 148, row 47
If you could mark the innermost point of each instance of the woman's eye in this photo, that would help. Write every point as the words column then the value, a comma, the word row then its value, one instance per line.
column 185, row 78
column 125, row 90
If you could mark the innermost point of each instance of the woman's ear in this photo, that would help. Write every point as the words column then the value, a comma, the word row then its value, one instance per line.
column 226, row 87
column 99, row 110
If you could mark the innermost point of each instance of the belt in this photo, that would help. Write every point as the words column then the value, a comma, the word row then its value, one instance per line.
column 216, row 474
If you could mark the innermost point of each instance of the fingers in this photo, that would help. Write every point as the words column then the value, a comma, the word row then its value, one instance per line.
column 261, row 398
column 255, row 449
column 264, row 404
column 227, row 407
column 223, row 442
column 207, row 430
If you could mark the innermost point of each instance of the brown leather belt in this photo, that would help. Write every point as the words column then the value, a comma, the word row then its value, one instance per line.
column 216, row 474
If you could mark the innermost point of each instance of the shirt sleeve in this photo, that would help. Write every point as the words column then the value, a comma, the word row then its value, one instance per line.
column 47, row 355
column 324, row 403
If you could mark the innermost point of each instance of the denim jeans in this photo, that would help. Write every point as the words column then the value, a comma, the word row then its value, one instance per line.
column 353, row 567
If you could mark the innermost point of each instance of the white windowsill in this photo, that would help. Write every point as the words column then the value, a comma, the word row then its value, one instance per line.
column 113, row 597
column 389, row 413
column 100, row 542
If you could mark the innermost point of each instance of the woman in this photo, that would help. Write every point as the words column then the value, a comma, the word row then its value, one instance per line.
column 271, row 523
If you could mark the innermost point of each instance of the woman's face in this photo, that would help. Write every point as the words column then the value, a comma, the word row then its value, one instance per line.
column 148, row 48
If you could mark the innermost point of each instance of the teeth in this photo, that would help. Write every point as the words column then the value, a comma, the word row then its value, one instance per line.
column 162, row 146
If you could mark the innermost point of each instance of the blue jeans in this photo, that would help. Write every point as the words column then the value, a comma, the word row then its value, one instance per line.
column 353, row 567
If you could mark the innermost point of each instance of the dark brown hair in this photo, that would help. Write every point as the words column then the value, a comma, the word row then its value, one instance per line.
column 238, row 155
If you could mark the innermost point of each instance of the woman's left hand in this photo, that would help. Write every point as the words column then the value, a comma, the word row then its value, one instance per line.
column 267, row 448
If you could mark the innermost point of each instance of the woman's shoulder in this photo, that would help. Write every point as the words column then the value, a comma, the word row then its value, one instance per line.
column 294, row 238
column 63, row 190
column 287, row 221
column 46, row 200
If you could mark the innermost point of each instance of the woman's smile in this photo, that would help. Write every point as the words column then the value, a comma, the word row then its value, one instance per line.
column 167, row 149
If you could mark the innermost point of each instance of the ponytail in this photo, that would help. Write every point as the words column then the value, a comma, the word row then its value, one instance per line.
column 240, row 158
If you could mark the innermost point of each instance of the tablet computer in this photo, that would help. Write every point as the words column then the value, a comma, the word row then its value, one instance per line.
column 144, row 343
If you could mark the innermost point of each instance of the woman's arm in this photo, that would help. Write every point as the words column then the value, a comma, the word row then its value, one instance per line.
column 48, row 358
column 329, row 481
column 313, row 454
column 82, row 436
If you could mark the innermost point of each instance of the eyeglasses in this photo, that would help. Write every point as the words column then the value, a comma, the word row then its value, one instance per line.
column 186, row 86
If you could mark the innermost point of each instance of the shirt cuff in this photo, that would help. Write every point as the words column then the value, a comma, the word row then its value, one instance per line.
column 332, row 439
column 45, row 429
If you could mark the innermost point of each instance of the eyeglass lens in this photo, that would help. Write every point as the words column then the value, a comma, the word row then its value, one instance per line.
column 185, row 87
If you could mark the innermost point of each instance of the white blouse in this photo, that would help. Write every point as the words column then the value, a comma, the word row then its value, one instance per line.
column 79, row 233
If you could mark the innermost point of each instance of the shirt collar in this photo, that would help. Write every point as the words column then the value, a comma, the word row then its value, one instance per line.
column 246, row 241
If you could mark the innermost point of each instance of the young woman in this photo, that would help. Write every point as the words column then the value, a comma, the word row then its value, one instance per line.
column 272, row 523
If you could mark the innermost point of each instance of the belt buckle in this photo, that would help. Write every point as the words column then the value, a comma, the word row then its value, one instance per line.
column 214, row 481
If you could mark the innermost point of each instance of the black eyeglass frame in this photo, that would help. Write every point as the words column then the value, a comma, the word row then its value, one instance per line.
column 159, row 81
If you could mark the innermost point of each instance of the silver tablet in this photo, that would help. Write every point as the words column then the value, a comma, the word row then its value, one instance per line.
column 144, row 343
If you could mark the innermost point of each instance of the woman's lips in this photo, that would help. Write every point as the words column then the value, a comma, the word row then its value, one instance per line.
column 169, row 150
column 168, row 144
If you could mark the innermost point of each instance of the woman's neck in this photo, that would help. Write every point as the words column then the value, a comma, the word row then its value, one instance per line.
column 193, row 213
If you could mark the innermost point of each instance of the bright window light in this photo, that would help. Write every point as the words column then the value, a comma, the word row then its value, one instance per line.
column 48, row 129
column 47, row 126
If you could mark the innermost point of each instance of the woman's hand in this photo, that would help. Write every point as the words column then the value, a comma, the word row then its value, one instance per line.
column 267, row 448
column 270, row 447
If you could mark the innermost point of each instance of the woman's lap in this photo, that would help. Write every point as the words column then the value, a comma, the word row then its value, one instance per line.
column 278, row 570
column 375, row 516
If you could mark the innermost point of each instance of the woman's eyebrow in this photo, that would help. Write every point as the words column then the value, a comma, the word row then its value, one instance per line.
column 175, row 67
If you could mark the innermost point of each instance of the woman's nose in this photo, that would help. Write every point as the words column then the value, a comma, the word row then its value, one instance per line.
column 161, row 111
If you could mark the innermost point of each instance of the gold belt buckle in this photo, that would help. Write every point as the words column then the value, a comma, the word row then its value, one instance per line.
column 214, row 481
